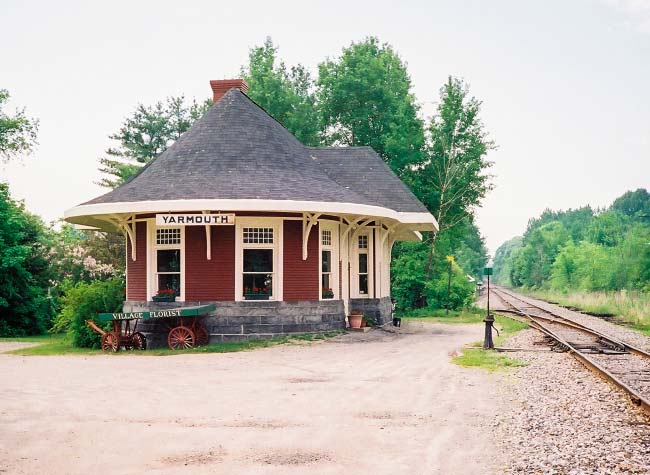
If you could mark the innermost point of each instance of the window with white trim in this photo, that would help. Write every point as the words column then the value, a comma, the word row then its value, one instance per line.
column 258, row 263
column 362, row 262
column 168, row 265
column 258, row 235
column 326, row 237
column 168, row 236
column 327, row 281
column 329, row 260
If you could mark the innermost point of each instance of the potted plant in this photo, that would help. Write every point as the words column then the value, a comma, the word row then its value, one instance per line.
column 368, row 321
column 355, row 318
column 328, row 293
column 165, row 295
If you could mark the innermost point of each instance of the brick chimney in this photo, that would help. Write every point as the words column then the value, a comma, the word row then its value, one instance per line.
column 221, row 86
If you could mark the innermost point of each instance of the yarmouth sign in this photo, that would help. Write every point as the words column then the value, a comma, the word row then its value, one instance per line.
column 194, row 219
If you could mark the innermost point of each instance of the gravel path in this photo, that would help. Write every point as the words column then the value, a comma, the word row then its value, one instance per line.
column 14, row 345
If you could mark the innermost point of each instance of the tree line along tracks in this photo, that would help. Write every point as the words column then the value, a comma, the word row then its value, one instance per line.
column 621, row 363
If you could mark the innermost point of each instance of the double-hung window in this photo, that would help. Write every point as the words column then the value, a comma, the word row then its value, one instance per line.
column 258, row 262
column 168, row 265
column 326, row 275
column 362, row 270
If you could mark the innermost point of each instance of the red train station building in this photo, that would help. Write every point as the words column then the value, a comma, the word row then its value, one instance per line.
column 282, row 237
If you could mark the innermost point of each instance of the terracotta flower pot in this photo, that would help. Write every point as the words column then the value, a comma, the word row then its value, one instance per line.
column 355, row 321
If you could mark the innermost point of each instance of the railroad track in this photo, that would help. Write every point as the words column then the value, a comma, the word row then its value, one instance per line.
column 617, row 361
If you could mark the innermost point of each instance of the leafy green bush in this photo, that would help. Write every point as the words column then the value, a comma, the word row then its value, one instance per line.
column 25, row 306
column 84, row 301
column 462, row 291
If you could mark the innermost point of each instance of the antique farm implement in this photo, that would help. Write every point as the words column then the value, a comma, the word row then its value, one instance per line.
column 184, row 325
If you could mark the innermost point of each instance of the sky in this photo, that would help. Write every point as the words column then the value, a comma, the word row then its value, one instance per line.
column 564, row 84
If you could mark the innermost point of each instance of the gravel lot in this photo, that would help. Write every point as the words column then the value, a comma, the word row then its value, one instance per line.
column 375, row 403
column 567, row 420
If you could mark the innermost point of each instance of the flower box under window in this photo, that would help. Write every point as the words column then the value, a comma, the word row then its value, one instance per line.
column 165, row 295
column 254, row 296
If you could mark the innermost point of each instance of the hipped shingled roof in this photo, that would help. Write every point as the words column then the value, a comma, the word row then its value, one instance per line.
column 237, row 151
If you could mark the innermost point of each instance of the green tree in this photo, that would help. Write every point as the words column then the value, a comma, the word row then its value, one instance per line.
column 411, row 288
column 583, row 249
column 286, row 94
column 607, row 229
column 503, row 258
column 148, row 132
column 17, row 131
column 365, row 99
column 633, row 203
column 452, row 181
column 25, row 308
column 533, row 262
column 77, row 255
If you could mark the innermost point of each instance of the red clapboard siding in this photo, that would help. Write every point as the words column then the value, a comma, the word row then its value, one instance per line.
column 136, row 271
column 300, row 277
column 210, row 279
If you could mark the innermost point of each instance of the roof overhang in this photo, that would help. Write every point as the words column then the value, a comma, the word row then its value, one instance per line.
column 96, row 215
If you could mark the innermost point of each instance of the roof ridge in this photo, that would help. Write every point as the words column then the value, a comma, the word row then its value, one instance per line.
column 339, row 147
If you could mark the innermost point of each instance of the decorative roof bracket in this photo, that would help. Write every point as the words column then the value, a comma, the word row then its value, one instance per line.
column 351, row 224
column 208, row 240
column 308, row 221
column 127, row 226
column 129, row 229
column 389, row 230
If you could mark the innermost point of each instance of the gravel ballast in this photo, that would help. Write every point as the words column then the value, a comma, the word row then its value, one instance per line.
column 621, row 332
column 567, row 420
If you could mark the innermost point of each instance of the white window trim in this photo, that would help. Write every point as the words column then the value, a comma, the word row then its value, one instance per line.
column 333, row 227
column 354, row 284
column 255, row 222
column 152, row 247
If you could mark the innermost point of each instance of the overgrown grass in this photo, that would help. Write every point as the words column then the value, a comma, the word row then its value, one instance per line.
column 62, row 345
column 472, row 315
column 489, row 359
column 629, row 307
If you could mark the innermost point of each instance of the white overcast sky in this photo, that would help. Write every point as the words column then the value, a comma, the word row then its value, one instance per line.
column 565, row 84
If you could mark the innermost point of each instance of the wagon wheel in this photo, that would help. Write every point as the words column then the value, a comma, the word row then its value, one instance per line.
column 202, row 335
column 139, row 341
column 110, row 342
column 180, row 338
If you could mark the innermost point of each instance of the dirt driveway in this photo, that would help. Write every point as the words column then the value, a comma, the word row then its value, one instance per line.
column 376, row 403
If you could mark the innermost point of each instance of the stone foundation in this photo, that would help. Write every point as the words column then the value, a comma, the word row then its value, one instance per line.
column 379, row 309
column 249, row 320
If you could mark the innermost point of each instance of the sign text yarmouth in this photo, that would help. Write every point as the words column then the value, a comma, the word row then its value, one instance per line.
column 194, row 219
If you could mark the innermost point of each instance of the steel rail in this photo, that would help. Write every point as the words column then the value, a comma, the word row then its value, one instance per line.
column 635, row 397
column 576, row 325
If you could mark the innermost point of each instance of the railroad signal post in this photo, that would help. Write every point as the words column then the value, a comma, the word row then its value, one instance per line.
column 489, row 319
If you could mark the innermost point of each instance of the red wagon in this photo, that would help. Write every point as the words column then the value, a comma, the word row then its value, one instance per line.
column 185, row 326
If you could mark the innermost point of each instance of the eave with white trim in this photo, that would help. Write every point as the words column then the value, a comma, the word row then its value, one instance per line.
column 107, row 216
